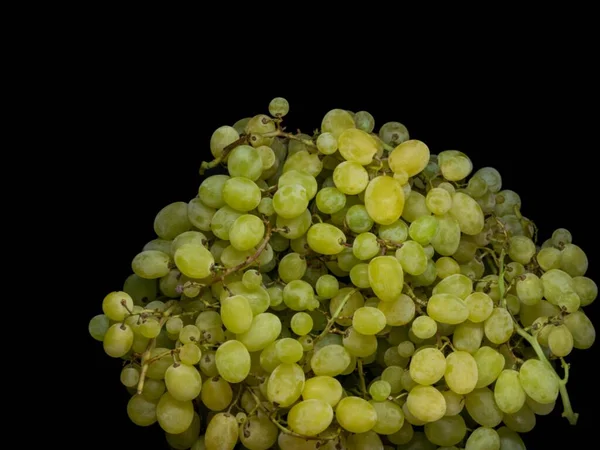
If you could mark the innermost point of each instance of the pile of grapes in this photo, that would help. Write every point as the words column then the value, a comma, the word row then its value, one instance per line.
column 346, row 290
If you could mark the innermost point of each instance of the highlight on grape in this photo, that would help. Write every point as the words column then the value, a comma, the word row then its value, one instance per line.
column 346, row 290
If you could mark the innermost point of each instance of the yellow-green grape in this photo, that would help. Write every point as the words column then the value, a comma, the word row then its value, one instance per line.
column 423, row 229
column 446, row 266
column 210, row 191
column 142, row 410
column 216, row 393
column 190, row 354
column 350, row 178
column 292, row 267
column 336, row 122
column 490, row 364
column 560, row 341
column 390, row 417
column 447, row 308
column 194, row 261
column 404, row 435
column 508, row 393
column 252, row 279
column 172, row 220
column 481, row 406
column 586, row 289
column 401, row 177
column 223, row 220
column 426, row 403
column 499, row 327
column 279, row 107
column 412, row 257
column 330, row 200
column 454, row 402
column 438, row 201
column 117, row 305
column 326, row 239
column 327, row 143
column 150, row 328
column 208, row 365
column 455, row 165
column 245, row 161
column 304, row 179
column 467, row 213
column 327, row 286
column 447, row 239
column 183, row 382
column 268, row 159
column 364, row 121
column 246, row 232
column 330, row 360
column 185, row 440
column 98, row 326
column 233, row 361
column 301, row 323
column 461, row 372
column 480, row 306
column 265, row 206
column 324, row 388
column 380, row 390
column 467, row 336
column 357, row 145
column 539, row 381
column 221, row 138
column 358, row 219
column 386, row 277
column 392, row 376
column 447, row 431
column 396, row 233
column 264, row 329
column 406, row 349
column 130, row 376
column 359, row 275
column 305, row 162
column 530, row 289
column 573, row 260
column 290, row 201
column 188, row 237
column 483, row 438
column 427, row 366
column 310, row 417
column 509, row 439
column 355, row 414
column 289, row 350
column 399, row 311
column 521, row 249
column 118, row 340
column 285, row 384
column 549, row 258
column 393, row 133
column 368, row 320
column 424, row 327
column 411, row 156
column 222, row 432
column 384, row 200
column 506, row 202
column 523, row 421
column 491, row 177
column 174, row 416
column 151, row 264
column 258, row 432
column 365, row 246
column 477, row 187
column 457, row 285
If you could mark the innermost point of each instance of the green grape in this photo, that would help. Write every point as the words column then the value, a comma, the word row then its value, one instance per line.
column 508, row 393
column 330, row 200
column 190, row 354
column 327, row 143
column 384, row 200
column 401, row 177
column 142, row 411
column 457, row 285
column 257, row 297
column 447, row 239
column 368, row 320
column 324, row 388
column 530, row 289
column 454, row 402
column 468, row 336
column 265, row 206
column 183, row 382
column 245, row 161
column 290, row 201
column 561, row 237
column 289, row 350
column 150, row 328
column 368, row 440
column 424, row 327
column 140, row 289
column 298, row 295
column 406, row 349
column 285, row 384
column 292, row 267
column 380, row 390
column 364, row 121
column 386, row 277
column 426, row 403
column 268, row 159
column 365, row 246
column 585, row 288
column 301, row 323
column 506, row 202
column 467, row 213
column 327, row 286
column 117, row 305
column 130, row 376
column 477, row 187
column 391, row 375
column 160, row 245
column 264, row 329
column 185, row 440
column 483, row 438
column 330, row 360
column 310, row 417
column 326, row 239
column 223, row 220
column 521, row 249
column 172, row 220
column 258, row 433
column 216, row 393
column 336, row 122
column 499, row 327
column 573, row 260
column 390, row 417
column 399, row 311
column 446, row 431
column 151, row 264
column 222, row 432
column 187, row 237
column 355, row 415
column 359, row 275
column 304, row 161
column 279, row 107
column 252, row 279
column 357, row 146
column 491, row 177
column 358, row 219
column 455, row 165
column 268, row 359
column 241, row 194
column 211, row 191
column 118, row 340
column 412, row 257
column 350, row 178
column 539, row 381
column 509, row 439
column 174, row 416
column 98, row 326
column 447, row 308
column 233, row 361
column 481, row 406
column 396, row 232
column 480, row 306
column 423, row 229
column 246, row 232
column 446, row 266
column 412, row 156
column 295, row 177
column 194, row 261
column 393, row 133
column 221, row 138
column 427, row 366
column 490, row 364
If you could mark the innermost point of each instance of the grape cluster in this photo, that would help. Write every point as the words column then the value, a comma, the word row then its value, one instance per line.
column 346, row 290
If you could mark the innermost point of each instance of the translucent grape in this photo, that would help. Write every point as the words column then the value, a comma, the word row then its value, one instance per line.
column 326, row 239
column 438, row 201
column 483, row 438
column 499, row 327
column 264, row 329
column 539, row 381
column 384, row 200
column 350, row 178
column 211, row 191
column 222, row 432
column 573, row 260
column 411, row 156
column 412, row 257
column 467, row 213
column 172, row 220
column 327, row 286
column 508, row 393
column 330, row 360
column 194, row 261
column 327, row 143
column 118, row 340
column 292, row 267
column 142, row 411
column 426, row 403
column 355, row 415
column 481, row 406
column 446, row 431
column 289, row 350
column 368, row 320
column 427, row 366
column 216, row 393
column 336, row 122
column 324, row 388
column 279, row 107
column 98, row 326
column 301, row 323
column 457, row 285
column 151, row 264
column 386, row 277
column 358, row 219
column 246, row 232
column 174, row 416
column 365, row 246
column 241, row 194
column 490, row 364
column 221, row 138
column 424, row 327
column 310, row 417
column 285, row 384
column 447, row 308
column 399, row 311
column 393, row 133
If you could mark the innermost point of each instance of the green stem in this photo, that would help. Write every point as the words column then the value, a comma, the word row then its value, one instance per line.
column 331, row 321
column 215, row 162
column 361, row 375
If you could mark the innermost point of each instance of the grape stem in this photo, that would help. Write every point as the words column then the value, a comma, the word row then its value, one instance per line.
column 281, row 133
column 338, row 311
column 568, row 412
column 249, row 260
column 412, row 295
column 146, row 356
column 215, row 162
column 361, row 375
column 237, row 398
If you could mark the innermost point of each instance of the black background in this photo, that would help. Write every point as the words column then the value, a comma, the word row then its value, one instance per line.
column 147, row 123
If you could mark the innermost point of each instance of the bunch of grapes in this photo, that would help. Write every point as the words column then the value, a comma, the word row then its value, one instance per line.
column 346, row 290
